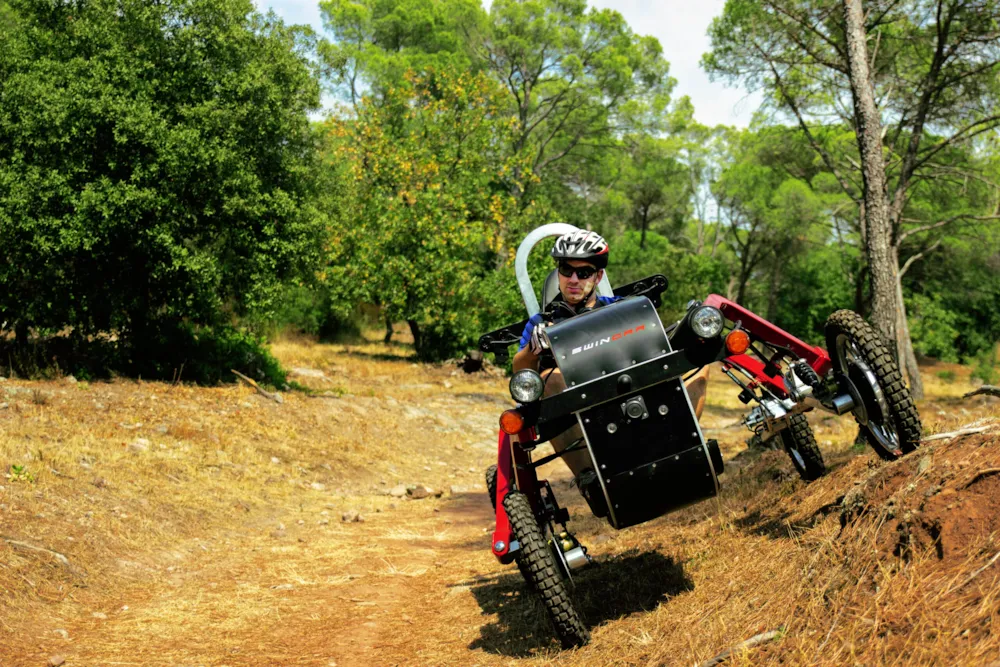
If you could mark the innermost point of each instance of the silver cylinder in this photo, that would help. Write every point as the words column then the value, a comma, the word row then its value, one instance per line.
column 843, row 404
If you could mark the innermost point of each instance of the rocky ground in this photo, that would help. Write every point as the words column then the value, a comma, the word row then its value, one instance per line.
column 159, row 524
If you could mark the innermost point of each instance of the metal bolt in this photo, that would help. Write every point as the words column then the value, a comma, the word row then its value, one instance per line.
column 612, row 427
column 602, row 372
column 633, row 362
column 603, row 467
column 563, row 356
column 677, row 458
column 663, row 409
column 587, row 420
column 631, row 472
column 583, row 396
column 694, row 435
column 608, row 480
column 663, row 351
column 654, row 465
column 677, row 388
column 572, row 384
column 666, row 367
column 500, row 545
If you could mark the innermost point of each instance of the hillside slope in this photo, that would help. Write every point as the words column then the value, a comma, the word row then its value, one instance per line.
column 152, row 524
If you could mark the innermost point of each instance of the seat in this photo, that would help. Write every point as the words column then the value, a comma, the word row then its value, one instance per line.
column 550, row 288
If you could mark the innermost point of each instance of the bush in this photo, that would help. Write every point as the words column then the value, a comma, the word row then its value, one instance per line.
column 172, row 351
column 985, row 366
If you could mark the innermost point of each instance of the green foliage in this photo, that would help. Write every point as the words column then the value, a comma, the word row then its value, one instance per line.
column 20, row 473
column 429, row 212
column 986, row 366
column 947, row 376
column 154, row 164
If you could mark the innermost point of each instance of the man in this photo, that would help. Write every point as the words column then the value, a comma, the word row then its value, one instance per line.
column 581, row 258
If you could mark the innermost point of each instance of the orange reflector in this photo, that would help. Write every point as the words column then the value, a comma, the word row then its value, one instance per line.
column 511, row 422
column 737, row 342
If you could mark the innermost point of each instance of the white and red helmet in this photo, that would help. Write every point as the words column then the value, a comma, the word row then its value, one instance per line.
column 583, row 245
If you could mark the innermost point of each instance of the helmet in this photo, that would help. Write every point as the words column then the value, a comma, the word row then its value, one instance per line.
column 583, row 245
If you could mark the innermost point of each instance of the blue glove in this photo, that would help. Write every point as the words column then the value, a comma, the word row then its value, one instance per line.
column 529, row 329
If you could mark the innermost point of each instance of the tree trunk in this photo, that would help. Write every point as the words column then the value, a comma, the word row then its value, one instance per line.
column 904, row 345
column 415, row 330
column 388, row 330
column 772, row 296
column 882, row 270
column 645, row 218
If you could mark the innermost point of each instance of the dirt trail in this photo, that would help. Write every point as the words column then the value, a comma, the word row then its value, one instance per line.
column 224, row 545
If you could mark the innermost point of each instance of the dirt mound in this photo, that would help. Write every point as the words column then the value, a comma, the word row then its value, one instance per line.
column 945, row 498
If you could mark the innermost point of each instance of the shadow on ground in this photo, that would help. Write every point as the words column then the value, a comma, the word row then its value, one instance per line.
column 625, row 584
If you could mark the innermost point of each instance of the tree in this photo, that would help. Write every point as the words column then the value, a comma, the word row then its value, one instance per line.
column 933, row 67
column 429, row 207
column 376, row 42
column 154, row 162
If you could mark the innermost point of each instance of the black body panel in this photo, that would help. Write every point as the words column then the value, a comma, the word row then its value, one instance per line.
column 500, row 340
column 607, row 340
column 652, row 465
column 614, row 358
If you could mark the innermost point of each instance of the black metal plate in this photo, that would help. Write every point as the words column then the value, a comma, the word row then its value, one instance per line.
column 655, row 465
column 607, row 340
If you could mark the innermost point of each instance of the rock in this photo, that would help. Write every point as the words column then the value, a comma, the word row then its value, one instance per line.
column 473, row 361
column 162, row 429
column 447, row 385
column 56, row 660
column 924, row 465
column 307, row 372
column 100, row 482
column 275, row 460
column 418, row 492
column 316, row 486
column 349, row 516
column 361, row 518
column 139, row 445
column 101, row 616
column 397, row 491
column 4, row 406
column 70, row 379
column 62, row 633
column 283, row 587
column 600, row 539
column 455, row 489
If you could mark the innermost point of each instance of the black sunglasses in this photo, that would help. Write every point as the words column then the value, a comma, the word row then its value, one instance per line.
column 582, row 272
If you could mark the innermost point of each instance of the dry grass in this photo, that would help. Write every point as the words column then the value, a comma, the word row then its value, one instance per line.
column 217, row 538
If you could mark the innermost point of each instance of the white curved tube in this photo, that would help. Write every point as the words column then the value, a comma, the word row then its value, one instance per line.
column 521, row 264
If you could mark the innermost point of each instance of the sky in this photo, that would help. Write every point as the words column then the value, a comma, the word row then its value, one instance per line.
column 680, row 25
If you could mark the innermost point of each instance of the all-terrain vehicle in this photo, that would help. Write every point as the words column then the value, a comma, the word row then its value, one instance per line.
column 624, row 375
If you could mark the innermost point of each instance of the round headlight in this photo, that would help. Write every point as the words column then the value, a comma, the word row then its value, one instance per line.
column 707, row 322
column 526, row 386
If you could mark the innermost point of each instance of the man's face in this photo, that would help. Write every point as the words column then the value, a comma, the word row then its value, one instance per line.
column 572, row 287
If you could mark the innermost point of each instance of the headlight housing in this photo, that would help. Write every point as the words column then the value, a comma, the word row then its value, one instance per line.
column 707, row 322
column 526, row 386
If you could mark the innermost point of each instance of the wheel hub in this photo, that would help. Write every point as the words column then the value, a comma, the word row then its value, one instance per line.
column 871, row 409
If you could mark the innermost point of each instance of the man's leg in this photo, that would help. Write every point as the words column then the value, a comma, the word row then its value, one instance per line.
column 576, row 461
column 697, row 387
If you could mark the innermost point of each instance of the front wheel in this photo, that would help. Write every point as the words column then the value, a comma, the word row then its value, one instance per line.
column 883, row 408
column 800, row 443
column 543, row 573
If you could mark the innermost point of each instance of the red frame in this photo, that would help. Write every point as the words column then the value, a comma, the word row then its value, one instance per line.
column 510, row 456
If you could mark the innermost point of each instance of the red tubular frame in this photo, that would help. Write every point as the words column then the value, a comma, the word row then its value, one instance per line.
column 761, row 329
column 509, row 456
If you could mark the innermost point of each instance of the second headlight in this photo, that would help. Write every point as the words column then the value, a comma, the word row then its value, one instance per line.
column 526, row 386
column 707, row 321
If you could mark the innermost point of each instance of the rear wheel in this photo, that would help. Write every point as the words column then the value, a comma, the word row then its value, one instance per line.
column 543, row 572
column 800, row 443
column 883, row 406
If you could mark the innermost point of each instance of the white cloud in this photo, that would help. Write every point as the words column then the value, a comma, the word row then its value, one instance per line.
column 680, row 25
